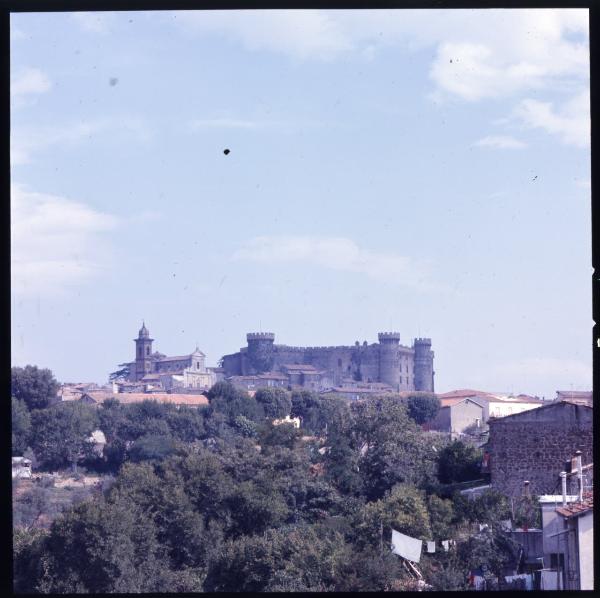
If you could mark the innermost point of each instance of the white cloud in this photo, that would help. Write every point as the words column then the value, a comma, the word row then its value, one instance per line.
column 94, row 22
column 55, row 241
column 335, row 253
column 301, row 34
column 27, row 82
column 571, row 122
column 500, row 142
column 26, row 141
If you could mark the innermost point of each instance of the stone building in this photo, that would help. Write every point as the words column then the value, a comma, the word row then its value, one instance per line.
column 399, row 366
column 535, row 444
column 155, row 371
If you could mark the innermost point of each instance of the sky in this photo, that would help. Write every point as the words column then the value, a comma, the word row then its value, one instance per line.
column 423, row 171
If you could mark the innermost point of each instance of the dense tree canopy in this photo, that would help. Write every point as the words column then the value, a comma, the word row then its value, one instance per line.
column 21, row 426
column 37, row 387
column 459, row 462
column 220, row 499
column 423, row 407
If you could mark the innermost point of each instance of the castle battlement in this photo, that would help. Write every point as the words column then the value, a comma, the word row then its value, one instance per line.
column 388, row 362
column 260, row 336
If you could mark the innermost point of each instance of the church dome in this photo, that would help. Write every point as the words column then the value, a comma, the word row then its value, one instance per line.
column 144, row 331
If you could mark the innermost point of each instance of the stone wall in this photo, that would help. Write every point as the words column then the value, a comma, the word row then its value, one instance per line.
column 534, row 446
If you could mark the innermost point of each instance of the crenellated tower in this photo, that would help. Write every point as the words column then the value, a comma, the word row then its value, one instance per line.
column 423, row 365
column 143, row 352
column 389, row 359
column 260, row 351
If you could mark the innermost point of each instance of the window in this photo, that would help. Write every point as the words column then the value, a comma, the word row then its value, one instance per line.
column 147, row 350
column 197, row 365
column 139, row 351
column 400, row 379
column 339, row 363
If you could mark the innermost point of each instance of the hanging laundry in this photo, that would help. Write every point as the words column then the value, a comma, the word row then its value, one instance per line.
column 406, row 547
column 445, row 544
column 430, row 546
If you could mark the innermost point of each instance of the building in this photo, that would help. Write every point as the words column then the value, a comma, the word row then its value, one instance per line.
column 187, row 399
column 495, row 404
column 21, row 468
column 535, row 444
column 578, row 541
column 399, row 366
column 584, row 397
column 154, row 371
column 457, row 415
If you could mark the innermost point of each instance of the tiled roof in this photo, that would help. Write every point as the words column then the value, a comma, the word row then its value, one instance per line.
column 176, row 358
column 463, row 393
column 138, row 397
column 450, row 401
column 578, row 508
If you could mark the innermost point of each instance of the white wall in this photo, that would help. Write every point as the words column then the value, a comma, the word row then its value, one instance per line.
column 586, row 550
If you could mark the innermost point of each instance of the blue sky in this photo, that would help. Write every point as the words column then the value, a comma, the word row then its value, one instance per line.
column 423, row 171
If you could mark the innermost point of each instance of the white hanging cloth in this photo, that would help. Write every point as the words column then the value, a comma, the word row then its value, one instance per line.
column 406, row 547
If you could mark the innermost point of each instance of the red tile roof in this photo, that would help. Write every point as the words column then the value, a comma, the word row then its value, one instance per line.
column 577, row 508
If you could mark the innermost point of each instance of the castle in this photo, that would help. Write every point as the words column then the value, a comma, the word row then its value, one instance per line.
column 155, row 371
column 387, row 362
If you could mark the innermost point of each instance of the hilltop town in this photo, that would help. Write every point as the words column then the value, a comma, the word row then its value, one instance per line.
column 346, row 449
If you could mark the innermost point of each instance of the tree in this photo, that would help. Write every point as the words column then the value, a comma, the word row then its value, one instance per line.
column 403, row 509
column 459, row 462
column 21, row 426
column 305, row 558
column 276, row 402
column 151, row 447
column 60, row 433
column 423, row 407
column 393, row 449
column 37, row 387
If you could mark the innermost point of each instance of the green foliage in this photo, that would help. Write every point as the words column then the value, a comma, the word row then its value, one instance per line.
column 403, row 509
column 393, row 448
column 151, row 447
column 231, row 401
column 442, row 517
column 275, row 402
column 21, row 426
column 289, row 559
column 491, row 507
column 29, row 555
column 278, row 435
column 459, row 462
column 244, row 426
column 37, row 387
column 423, row 407
column 60, row 433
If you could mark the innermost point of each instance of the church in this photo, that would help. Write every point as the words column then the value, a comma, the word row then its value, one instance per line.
column 154, row 371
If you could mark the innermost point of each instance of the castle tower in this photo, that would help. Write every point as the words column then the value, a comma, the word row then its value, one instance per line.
column 143, row 352
column 260, row 351
column 423, row 365
column 389, row 360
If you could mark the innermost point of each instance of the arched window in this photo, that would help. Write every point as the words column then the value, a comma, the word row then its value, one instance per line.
column 147, row 350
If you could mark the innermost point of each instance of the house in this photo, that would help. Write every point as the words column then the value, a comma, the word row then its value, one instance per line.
column 21, row 468
column 255, row 381
column 188, row 400
column 97, row 440
column 578, row 542
column 295, row 421
column 495, row 404
column 456, row 414
column 583, row 397
column 535, row 444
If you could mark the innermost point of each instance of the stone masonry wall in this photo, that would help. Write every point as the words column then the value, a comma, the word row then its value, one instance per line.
column 534, row 446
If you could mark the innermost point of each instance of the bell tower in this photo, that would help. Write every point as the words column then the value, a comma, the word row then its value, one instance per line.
column 143, row 352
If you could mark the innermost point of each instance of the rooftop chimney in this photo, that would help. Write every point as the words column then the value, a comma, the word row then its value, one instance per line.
column 579, row 474
column 563, row 478
column 526, row 488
